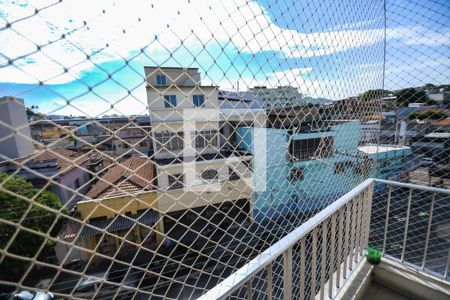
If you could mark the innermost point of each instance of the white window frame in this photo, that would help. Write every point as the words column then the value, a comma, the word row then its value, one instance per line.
column 161, row 79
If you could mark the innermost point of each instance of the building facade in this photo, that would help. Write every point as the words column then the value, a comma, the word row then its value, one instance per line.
column 15, row 135
column 282, row 96
column 198, row 168
column 303, row 172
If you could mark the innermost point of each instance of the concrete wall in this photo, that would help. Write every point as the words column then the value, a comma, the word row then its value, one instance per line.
column 175, row 200
column 14, row 144
column 189, row 130
column 274, row 187
column 321, row 183
column 69, row 181
column 175, row 76
column 192, row 172
column 134, row 146
column 112, row 206
column 184, row 97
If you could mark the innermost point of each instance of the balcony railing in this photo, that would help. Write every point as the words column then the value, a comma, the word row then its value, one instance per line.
column 317, row 258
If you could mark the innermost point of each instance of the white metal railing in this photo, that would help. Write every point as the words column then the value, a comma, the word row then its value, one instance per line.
column 332, row 242
column 345, row 222
column 411, row 224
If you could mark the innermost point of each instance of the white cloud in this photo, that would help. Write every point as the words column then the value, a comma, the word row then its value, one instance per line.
column 419, row 35
column 114, row 29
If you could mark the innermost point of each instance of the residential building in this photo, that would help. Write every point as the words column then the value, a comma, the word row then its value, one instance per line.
column 15, row 136
column 61, row 171
column 282, row 96
column 391, row 161
column 370, row 131
column 440, row 95
column 122, row 202
column 131, row 140
column 239, row 109
column 288, row 166
column 196, row 169
column 435, row 145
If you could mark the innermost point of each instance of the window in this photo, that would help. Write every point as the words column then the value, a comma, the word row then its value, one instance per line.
column 169, row 140
column 206, row 138
column 199, row 140
column 341, row 167
column 210, row 174
column 199, row 100
column 143, row 144
column 312, row 148
column 176, row 181
column 160, row 79
column 233, row 175
column 211, row 137
column 162, row 139
column 176, row 141
column 125, row 146
column 297, row 174
column 170, row 101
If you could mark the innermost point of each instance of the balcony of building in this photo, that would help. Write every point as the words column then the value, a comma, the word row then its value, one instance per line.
column 326, row 257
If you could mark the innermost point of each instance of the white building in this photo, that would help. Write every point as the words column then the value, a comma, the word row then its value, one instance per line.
column 15, row 135
column 282, row 96
column 188, row 133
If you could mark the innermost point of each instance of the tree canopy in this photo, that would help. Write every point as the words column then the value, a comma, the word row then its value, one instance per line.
column 374, row 94
column 412, row 95
column 430, row 114
column 17, row 210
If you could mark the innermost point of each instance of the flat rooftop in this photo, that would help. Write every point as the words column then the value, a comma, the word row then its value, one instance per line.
column 372, row 149
column 438, row 135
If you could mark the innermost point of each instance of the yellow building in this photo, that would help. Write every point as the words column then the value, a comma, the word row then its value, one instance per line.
column 121, row 214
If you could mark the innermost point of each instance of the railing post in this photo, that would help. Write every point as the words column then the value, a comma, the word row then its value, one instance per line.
column 269, row 281
column 339, row 258
column 323, row 259
column 313, row 263
column 405, row 235
column 347, row 237
column 302, row 269
column 249, row 289
column 287, row 274
column 352, row 233
column 447, row 265
column 369, row 193
column 359, row 227
column 386, row 223
column 427, row 239
column 332, row 249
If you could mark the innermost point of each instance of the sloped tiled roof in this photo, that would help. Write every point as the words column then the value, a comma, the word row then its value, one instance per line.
column 443, row 122
column 65, row 159
column 130, row 176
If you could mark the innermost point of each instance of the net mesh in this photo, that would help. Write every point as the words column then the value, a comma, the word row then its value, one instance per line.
column 149, row 150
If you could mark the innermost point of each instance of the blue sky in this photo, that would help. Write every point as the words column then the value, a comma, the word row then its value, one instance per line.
column 331, row 49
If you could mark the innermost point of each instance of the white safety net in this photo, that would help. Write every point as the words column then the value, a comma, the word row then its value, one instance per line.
column 148, row 149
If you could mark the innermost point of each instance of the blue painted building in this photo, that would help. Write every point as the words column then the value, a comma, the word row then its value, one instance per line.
column 300, row 172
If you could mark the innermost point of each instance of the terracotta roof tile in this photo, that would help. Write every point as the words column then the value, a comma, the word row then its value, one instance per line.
column 443, row 122
column 65, row 159
column 132, row 175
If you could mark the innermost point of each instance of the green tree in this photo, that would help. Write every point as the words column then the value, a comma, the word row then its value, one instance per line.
column 32, row 112
column 412, row 95
column 430, row 114
column 13, row 209
column 374, row 94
